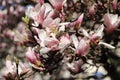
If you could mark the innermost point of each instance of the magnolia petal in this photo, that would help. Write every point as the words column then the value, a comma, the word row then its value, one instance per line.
column 64, row 40
column 80, row 19
column 29, row 10
column 56, row 21
column 62, row 28
column 42, row 36
column 42, row 14
column 47, row 22
column 30, row 55
column 48, row 9
column 100, row 31
column 107, row 45
column 113, row 18
column 70, row 65
column 44, row 50
column 75, row 41
column 85, row 33
column 37, row 7
column 8, row 63
column 92, row 10
column 83, row 48
column 65, row 23
column 107, row 20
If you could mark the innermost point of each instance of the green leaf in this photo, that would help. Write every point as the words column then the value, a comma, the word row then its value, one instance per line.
column 25, row 19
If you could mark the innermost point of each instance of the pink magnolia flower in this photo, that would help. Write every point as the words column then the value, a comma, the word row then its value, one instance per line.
column 34, row 59
column 96, row 35
column 39, row 13
column 81, row 46
column 75, row 67
column 10, row 69
column 47, row 41
column 111, row 22
column 51, row 25
column 57, row 4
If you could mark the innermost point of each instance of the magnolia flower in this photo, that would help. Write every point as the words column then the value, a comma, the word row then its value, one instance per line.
column 94, row 36
column 75, row 67
column 81, row 46
column 47, row 41
column 39, row 13
column 10, row 69
column 111, row 22
column 97, row 35
column 51, row 25
column 34, row 59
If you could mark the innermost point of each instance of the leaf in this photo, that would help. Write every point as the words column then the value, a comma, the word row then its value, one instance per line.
column 25, row 19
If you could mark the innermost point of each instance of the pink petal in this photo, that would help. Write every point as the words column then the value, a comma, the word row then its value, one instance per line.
column 80, row 19
column 30, row 55
column 83, row 48
column 8, row 63
column 64, row 40
column 92, row 10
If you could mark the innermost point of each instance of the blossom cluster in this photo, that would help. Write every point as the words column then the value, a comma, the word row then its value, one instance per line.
column 52, row 33
column 58, row 33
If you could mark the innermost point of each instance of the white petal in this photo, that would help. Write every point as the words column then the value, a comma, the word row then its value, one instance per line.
column 44, row 50
column 36, row 24
column 85, row 33
column 62, row 28
column 107, row 45
column 113, row 18
column 100, row 31
column 42, row 35
column 65, row 23
column 48, row 8
column 75, row 41
column 70, row 65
